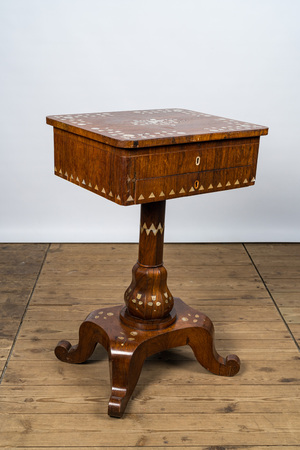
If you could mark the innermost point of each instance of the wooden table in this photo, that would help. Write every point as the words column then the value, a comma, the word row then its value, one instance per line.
column 148, row 157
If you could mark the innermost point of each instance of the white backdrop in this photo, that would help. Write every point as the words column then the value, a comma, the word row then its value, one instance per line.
column 238, row 59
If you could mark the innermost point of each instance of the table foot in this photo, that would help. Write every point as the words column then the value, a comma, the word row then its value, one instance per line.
column 128, row 347
column 125, row 370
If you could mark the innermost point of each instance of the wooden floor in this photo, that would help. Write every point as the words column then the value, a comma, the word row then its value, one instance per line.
column 251, row 292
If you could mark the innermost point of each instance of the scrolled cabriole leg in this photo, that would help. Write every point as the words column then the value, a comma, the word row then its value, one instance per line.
column 83, row 350
column 201, row 340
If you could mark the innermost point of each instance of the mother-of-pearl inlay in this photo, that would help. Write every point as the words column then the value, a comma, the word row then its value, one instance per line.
column 157, row 127
column 152, row 228
column 139, row 198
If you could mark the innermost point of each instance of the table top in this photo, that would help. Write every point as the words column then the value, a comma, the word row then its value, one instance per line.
column 149, row 128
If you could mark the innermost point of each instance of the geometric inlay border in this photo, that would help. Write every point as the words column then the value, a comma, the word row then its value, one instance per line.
column 160, row 195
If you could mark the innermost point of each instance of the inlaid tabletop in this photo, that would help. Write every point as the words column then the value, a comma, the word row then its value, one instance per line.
column 148, row 128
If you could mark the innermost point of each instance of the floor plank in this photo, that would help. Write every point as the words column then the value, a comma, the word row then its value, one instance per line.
column 265, row 350
column 20, row 265
column 152, row 399
column 279, row 267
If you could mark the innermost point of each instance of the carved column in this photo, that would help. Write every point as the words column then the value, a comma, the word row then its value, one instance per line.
column 148, row 296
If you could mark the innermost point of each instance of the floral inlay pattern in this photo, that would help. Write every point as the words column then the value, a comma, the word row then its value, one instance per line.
column 153, row 124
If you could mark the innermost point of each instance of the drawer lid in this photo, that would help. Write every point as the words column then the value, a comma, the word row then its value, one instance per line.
column 149, row 128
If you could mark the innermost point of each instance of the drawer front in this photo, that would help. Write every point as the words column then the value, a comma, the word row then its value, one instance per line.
column 196, row 157
column 162, row 188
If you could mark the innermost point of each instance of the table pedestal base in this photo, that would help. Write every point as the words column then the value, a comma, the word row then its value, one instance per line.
column 128, row 346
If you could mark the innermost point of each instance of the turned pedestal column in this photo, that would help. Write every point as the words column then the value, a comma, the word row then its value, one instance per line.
column 149, row 302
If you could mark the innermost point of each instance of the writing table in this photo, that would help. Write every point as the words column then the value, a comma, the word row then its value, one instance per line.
column 147, row 157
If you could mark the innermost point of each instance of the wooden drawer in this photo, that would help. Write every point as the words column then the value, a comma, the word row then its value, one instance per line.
column 161, row 188
column 129, row 176
column 163, row 161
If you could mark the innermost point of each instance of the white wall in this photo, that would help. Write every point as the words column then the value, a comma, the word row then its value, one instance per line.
column 238, row 59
